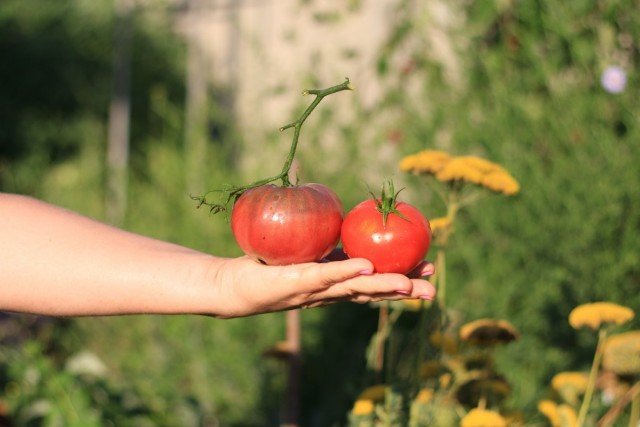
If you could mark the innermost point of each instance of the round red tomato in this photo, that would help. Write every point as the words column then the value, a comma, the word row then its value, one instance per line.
column 287, row 225
column 396, row 245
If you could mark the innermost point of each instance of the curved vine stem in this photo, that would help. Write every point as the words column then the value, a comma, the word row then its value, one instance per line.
column 234, row 192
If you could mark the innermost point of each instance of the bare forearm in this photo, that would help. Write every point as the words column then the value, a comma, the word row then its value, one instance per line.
column 56, row 262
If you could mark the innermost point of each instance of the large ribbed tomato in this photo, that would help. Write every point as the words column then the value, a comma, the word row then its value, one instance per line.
column 396, row 244
column 287, row 225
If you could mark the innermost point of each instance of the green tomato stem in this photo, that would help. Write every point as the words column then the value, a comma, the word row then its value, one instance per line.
column 234, row 192
column 386, row 204
column 297, row 125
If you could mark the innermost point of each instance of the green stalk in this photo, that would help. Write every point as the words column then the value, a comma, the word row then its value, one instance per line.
column 422, row 328
column 634, row 418
column 593, row 374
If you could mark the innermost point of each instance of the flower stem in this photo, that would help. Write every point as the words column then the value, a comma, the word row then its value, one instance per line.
column 441, row 268
column 383, row 321
column 452, row 209
column 634, row 418
column 234, row 192
column 593, row 374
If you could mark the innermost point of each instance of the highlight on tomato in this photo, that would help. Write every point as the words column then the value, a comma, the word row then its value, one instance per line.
column 393, row 235
column 287, row 225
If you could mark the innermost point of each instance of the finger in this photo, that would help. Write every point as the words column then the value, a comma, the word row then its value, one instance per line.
column 423, row 289
column 425, row 268
column 379, row 284
column 323, row 275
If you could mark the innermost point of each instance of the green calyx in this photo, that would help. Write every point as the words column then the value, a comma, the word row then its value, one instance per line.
column 386, row 203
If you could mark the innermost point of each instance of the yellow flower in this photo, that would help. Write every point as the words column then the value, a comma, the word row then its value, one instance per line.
column 622, row 353
column 375, row 393
column 363, row 407
column 558, row 415
column 501, row 182
column 412, row 304
column 488, row 332
column 440, row 226
column 550, row 410
column 459, row 169
column 595, row 314
column 481, row 172
column 424, row 396
column 483, row 418
column 475, row 170
column 425, row 162
column 482, row 165
column 568, row 416
column 574, row 380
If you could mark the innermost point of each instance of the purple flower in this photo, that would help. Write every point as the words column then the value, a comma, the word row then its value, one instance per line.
column 613, row 79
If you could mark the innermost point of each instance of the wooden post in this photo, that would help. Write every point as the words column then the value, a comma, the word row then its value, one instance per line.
column 292, row 397
column 196, row 106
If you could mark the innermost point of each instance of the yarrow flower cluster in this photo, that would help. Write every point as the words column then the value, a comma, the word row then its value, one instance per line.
column 574, row 380
column 558, row 415
column 366, row 401
column 488, row 332
column 613, row 79
column 363, row 407
column 483, row 418
column 593, row 315
column 471, row 169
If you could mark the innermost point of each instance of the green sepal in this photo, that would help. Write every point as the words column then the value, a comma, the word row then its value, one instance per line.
column 386, row 204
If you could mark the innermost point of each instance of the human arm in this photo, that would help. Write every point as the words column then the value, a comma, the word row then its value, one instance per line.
column 56, row 262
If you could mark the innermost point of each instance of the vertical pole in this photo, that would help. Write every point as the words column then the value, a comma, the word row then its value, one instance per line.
column 291, row 406
column 196, row 106
column 119, row 115
column 294, row 332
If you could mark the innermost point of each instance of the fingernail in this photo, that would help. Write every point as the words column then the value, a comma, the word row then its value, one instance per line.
column 367, row 272
column 428, row 272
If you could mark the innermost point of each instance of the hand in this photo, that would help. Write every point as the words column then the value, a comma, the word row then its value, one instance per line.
column 245, row 287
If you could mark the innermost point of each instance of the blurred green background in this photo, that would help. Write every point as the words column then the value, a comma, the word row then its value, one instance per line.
column 523, row 89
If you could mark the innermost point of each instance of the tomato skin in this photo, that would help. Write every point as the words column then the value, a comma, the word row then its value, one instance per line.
column 287, row 225
column 396, row 247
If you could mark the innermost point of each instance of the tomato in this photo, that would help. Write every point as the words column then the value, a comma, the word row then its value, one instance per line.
column 396, row 244
column 287, row 225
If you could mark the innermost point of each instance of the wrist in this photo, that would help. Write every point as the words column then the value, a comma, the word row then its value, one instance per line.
column 196, row 292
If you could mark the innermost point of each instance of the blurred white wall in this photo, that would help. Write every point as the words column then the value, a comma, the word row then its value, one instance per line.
column 267, row 49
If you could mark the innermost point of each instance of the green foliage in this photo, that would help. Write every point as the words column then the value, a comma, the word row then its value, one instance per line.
column 530, row 98
column 171, row 371
column 520, row 87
